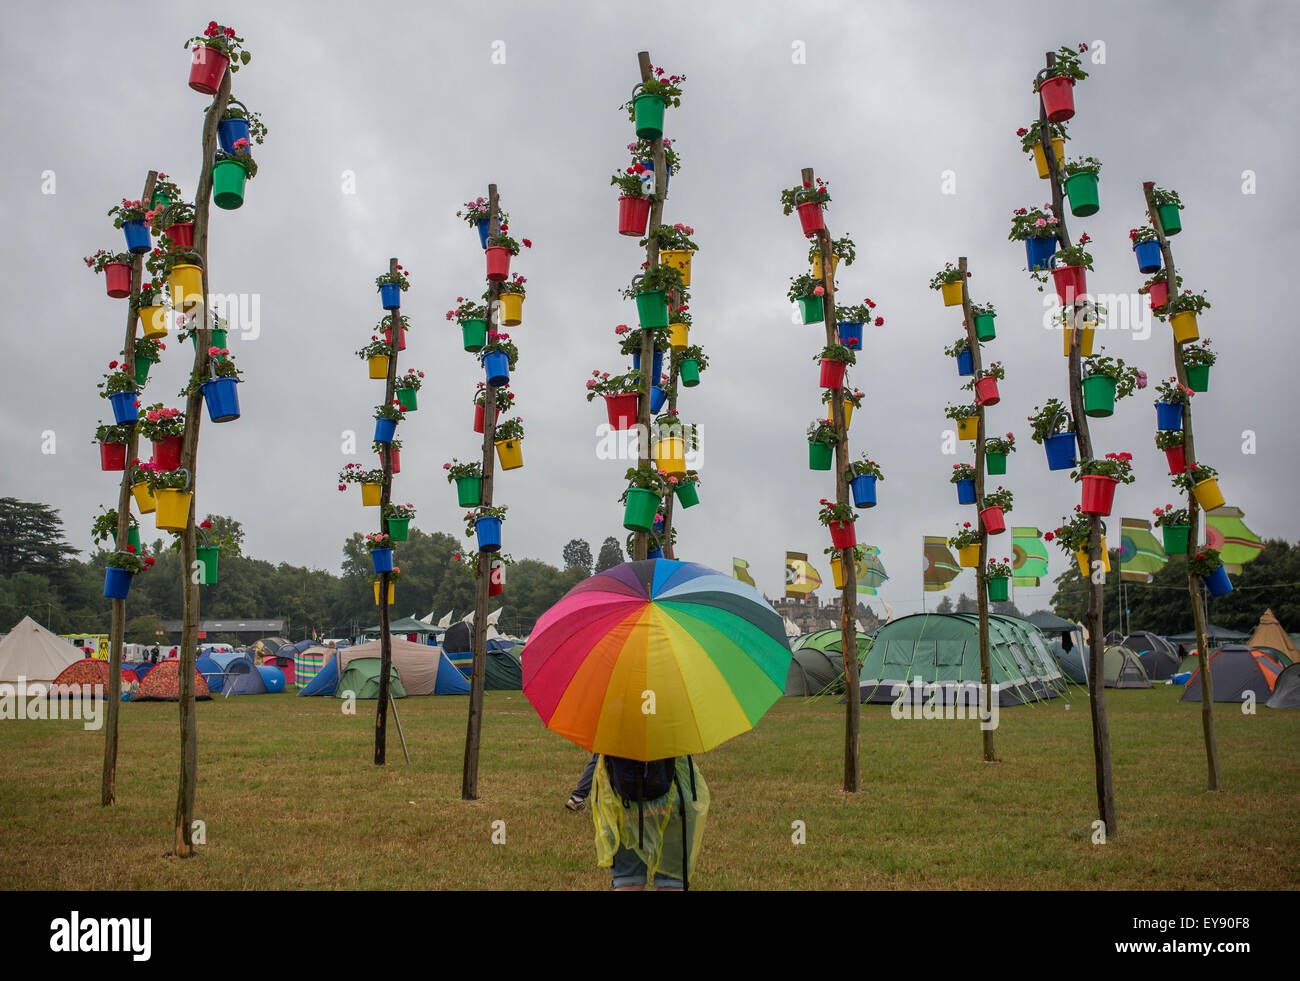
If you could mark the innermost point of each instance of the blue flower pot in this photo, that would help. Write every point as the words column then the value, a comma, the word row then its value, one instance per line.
column 230, row 130
column 966, row 362
column 657, row 364
column 966, row 491
column 496, row 364
column 385, row 430
column 382, row 559
column 654, row 553
column 658, row 396
column 1039, row 251
column 390, row 295
column 489, row 534
column 482, row 226
column 864, row 490
column 1060, row 451
column 124, row 409
column 117, row 582
column 137, row 237
column 650, row 166
column 850, row 334
column 222, row 398
column 1148, row 256
column 1169, row 416
column 1217, row 582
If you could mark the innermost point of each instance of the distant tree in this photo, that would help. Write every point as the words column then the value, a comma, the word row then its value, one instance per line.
column 144, row 629
column 32, row 539
column 611, row 554
column 945, row 605
column 967, row 605
column 577, row 555
column 1007, row 609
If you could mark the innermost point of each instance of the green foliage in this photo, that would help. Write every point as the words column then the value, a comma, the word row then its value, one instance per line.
column 610, row 554
column 577, row 555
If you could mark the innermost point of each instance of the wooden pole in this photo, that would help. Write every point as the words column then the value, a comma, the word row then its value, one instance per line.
column 1195, row 587
column 386, row 498
column 117, row 628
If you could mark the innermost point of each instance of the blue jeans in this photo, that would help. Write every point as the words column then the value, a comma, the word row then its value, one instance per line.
column 629, row 870
column 583, row 790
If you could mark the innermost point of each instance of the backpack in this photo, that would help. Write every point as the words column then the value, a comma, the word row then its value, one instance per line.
column 637, row 782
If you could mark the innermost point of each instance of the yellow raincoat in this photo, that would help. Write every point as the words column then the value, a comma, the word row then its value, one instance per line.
column 661, row 849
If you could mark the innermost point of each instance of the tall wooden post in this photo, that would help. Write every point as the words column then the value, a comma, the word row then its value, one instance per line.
column 386, row 498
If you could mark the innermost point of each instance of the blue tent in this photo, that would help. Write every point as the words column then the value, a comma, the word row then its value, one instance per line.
column 450, row 680
column 141, row 669
column 326, row 680
column 224, row 658
column 272, row 678
column 211, row 672
column 246, row 680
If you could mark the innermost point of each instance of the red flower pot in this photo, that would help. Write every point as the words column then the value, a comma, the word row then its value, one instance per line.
column 397, row 459
column 478, row 419
column 844, row 534
column 1177, row 457
column 401, row 338
column 833, row 373
column 497, row 580
column 1058, row 99
column 1158, row 294
column 633, row 214
column 991, row 518
column 1098, row 494
column 117, row 279
column 498, row 263
column 182, row 234
column 1071, row 282
column 112, row 456
column 810, row 217
column 167, row 454
column 207, row 66
column 622, row 410
column 986, row 391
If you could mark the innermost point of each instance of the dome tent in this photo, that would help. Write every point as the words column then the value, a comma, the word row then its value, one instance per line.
column 1158, row 656
column 1123, row 669
column 1286, row 691
column 1235, row 670
column 162, row 684
column 361, row 677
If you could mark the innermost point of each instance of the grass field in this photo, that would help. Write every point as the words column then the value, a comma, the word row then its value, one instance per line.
column 291, row 800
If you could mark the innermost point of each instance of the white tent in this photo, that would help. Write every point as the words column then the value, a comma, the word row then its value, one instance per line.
column 31, row 651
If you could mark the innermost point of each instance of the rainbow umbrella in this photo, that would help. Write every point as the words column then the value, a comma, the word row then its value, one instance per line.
column 702, row 649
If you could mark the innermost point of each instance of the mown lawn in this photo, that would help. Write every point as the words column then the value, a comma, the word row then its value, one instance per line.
column 291, row 800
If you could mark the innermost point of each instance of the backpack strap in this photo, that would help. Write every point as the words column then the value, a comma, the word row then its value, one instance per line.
column 686, row 856
column 690, row 763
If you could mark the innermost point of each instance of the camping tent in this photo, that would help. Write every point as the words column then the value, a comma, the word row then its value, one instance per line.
column 1065, row 642
column 1158, row 656
column 244, row 679
column 162, row 684
column 272, row 644
column 90, row 672
column 503, row 671
column 1234, row 670
column 423, row 670
column 361, row 677
column 1269, row 633
column 307, row 663
column 1213, row 635
column 325, row 680
column 814, row 671
column 212, row 671
column 828, row 640
column 1123, row 669
column 943, row 649
column 32, row 652
column 1286, row 692
column 403, row 628
column 282, row 663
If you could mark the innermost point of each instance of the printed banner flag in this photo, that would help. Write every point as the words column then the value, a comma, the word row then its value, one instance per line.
column 1141, row 555
column 1029, row 564
column 1236, row 543
column 870, row 571
column 800, row 577
column 740, row 570
column 938, row 565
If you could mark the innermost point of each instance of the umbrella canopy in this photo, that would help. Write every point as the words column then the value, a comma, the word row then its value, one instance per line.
column 709, row 647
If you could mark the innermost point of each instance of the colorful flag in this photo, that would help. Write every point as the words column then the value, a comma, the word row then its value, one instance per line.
column 800, row 577
column 1236, row 543
column 938, row 565
column 1141, row 555
column 870, row 572
column 740, row 570
column 1030, row 562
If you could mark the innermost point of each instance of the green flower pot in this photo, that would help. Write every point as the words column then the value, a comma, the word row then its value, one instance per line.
column 469, row 491
column 399, row 529
column 1170, row 218
column 133, row 537
column 998, row 589
column 642, row 506
column 984, row 329
column 228, row 177
column 1198, row 378
column 143, row 364
column 1176, row 538
column 473, row 333
column 819, row 455
column 159, row 200
column 219, row 337
column 689, row 372
column 995, row 463
column 207, row 556
column 1082, row 191
column 1099, row 396
column 652, row 309
column 407, row 397
column 811, row 309
column 648, row 110
column 688, row 495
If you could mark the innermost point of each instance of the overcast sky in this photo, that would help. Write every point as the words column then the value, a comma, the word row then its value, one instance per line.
column 407, row 97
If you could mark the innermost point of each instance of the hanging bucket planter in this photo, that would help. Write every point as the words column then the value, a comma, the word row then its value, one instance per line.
column 966, row 362
column 228, row 179
column 633, row 215
column 1170, row 218
column 496, row 366
column 1198, row 378
column 689, row 372
column 1177, row 459
column 819, row 455
column 173, row 511
column 1086, row 337
column 481, row 226
column 688, row 494
column 679, row 336
column 222, row 398
column 1060, row 451
column 811, row 309
column 473, row 335
column 984, row 327
column 117, row 280
column 218, row 339
column 679, row 259
column 1148, row 256
column 1217, row 582
column 137, row 237
column 639, row 513
column 1208, row 495
column 392, row 593
column 469, row 491
column 512, row 309
column 496, row 578
column 844, row 534
column 186, row 284
column 182, row 234
column 401, row 338
column 498, row 263
column 1185, row 327
column 648, row 113
column 209, row 557
column 1098, row 493
column 167, row 453
column 848, row 414
column 658, row 396
column 396, row 455
column 407, row 398
column 1082, row 191
column 997, row 586
column 142, row 366
column 810, row 218
column 992, row 520
column 1071, row 283
column 1099, row 396
column 231, row 130
column 995, row 463
column 656, row 364
column 850, row 334
column 399, row 530
column 1058, row 98
column 378, row 365
column 381, row 559
column 652, row 309
column 1169, row 416
column 817, row 265
column 489, row 534
column 479, row 416
column 117, row 583
column 390, row 296
column 144, row 499
column 832, row 373
column 133, row 536
column 986, row 391
column 863, row 487
column 153, row 321
column 385, row 430
column 1085, row 567
column 1040, row 158
column 370, row 494
column 207, row 67
column 670, row 455
column 1158, row 294
column 837, row 571
column 968, row 556
column 124, row 407
column 966, row 491
column 968, row 428
column 951, row 293
column 112, row 456
column 1039, row 252
column 510, row 453
column 1175, row 538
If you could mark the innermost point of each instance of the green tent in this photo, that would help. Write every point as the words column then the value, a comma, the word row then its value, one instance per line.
column 817, row 664
column 503, row 671
column 1123, row 669
column 944, row 650
column 361, row 677
column 828, row 640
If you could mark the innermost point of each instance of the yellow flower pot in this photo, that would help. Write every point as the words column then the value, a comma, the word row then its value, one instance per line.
column 1085, row 568
column 1208, row 495
column 1086, row 336
column 968, row 428
column 848, row 413
column 679, row 259
column 144, row 498
column 968, row 556
column 378, row 366
column 1040, row 158
column 392, row 593
column 153, row 321
column 510, row 453
column 670, row 455
column 951, row 294
column 173, row 512
column 837, row 571
column 370, row 494
column 817, row 265
column 186, row 283
column 1184, row 325
column 512, row 309
column 679, row 336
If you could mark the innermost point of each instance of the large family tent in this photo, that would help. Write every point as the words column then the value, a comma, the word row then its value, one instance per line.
column 1234, row 670
column 1158, row 656
column 814, row 672
column 1064, row 640
column 944, row 649
column 1286, row 692
column 90, row 673
column 32, row 652
column 1270, row 636
column 422, row 669
column 1123, row 669
column 308, row 663
column 361, row 678
column 162, row 684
